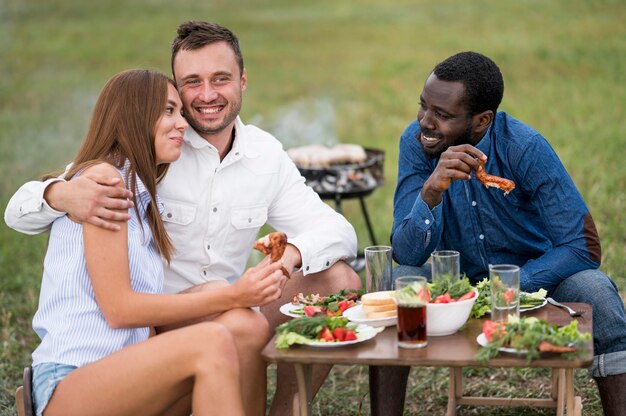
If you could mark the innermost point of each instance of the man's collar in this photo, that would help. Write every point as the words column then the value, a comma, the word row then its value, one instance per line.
column 241, row 144
column 485, row 143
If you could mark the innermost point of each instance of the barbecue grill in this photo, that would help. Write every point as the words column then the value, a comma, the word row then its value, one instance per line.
column 348, row 180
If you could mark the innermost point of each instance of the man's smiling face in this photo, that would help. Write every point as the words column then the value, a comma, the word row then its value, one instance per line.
column 443, row 116
column 211, row 87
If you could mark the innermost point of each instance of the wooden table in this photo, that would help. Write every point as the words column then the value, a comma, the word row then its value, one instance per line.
column 454, row 351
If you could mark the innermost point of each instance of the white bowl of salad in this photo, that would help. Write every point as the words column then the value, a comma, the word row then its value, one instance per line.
column 450, row 306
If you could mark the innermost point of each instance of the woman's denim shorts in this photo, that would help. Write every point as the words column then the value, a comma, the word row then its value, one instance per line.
column 46, row 378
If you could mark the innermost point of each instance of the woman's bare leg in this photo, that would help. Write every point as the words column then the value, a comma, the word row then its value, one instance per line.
column 250, row 330
column 150, row 377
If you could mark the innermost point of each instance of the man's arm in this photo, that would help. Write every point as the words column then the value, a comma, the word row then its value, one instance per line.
column 317, row 234
column 565, row 219
column 417, row 213
column 88, row 198
column 27, row 210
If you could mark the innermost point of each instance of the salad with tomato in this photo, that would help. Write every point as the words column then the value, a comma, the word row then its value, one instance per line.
column 483, row 302
column 448, row 289
column 331, row 305
column 307, row 330
column 532, row 336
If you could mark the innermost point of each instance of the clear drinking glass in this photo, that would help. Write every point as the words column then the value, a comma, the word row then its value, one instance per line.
column 504, row 281
column 412, row 298
column 378, row 263
column 446, row 265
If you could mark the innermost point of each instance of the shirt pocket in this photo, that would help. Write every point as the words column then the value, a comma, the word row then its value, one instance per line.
column 248, row 217
column 177, row 212
column 245, row 223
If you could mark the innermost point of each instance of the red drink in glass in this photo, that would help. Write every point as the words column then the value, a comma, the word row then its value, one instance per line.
column 412, row 326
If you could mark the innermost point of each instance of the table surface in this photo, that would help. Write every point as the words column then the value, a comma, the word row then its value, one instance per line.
column 457, row 350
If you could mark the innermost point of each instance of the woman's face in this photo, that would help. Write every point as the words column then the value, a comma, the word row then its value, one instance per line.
column 170, row 128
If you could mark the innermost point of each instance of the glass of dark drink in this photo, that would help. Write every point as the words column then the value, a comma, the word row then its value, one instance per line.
column 411, row 298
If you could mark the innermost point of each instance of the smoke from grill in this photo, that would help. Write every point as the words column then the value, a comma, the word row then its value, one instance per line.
column 307, row 129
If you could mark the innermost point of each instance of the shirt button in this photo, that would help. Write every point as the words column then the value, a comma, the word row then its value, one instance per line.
column 20, row 209
column 427, row 222
column 249, row 220
column 214, row 209
column 236, row 153
column 473, row 203
column 169, row 215
column 204, row 272
column 307, row 268
column 327, row 263
column 208, row 246
column 482, row 237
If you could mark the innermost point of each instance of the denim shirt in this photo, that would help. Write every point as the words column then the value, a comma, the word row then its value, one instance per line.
column 543, row 225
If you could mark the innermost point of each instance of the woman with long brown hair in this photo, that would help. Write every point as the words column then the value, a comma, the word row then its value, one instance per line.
column 102, row 290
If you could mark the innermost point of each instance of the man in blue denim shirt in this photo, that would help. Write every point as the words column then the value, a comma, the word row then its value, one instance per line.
column 543, row 225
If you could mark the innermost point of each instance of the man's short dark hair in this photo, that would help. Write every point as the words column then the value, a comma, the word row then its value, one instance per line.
column 196, row 34
column 481, row 77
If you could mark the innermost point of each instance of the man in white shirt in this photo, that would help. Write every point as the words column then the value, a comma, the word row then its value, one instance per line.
column 230, row 180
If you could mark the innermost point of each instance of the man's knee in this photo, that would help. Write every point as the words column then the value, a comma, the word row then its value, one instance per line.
column 588, row 286
column 341, row 276
column 246, row 325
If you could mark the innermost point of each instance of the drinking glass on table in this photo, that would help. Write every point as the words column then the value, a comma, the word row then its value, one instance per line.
column 446, row 265
column 378, row 263
column 504, row 282
column 411, row 298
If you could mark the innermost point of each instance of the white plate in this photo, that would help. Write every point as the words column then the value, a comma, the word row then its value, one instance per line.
column 528, row 309
column 363, row 333
column 288, row 308
column 532, row 308
column 357, row 314
column 482, row 341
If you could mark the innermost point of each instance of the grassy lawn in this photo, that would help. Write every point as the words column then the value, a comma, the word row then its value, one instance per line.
column 324, row 71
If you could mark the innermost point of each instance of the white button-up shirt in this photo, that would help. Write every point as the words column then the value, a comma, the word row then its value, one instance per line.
column 214, row 210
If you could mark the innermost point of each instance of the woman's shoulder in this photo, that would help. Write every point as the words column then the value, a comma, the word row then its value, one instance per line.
column 103, row 168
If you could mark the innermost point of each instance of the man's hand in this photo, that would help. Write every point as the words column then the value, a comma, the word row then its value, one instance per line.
column 457, row 162
column 91, row 198
column 292, row 259
column 260, row 284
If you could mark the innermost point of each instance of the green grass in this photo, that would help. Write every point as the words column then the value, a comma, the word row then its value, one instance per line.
column 351, row 70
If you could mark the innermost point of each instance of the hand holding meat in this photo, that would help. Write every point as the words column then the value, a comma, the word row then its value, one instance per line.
column 457, row 162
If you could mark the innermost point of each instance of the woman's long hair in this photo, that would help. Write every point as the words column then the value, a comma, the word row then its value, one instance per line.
column 122, row 127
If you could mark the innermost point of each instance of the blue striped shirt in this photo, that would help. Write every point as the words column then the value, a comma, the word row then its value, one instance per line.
column 69, row 322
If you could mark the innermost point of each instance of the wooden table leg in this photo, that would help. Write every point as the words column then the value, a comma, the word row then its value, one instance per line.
column 455, row 389
column 561, row 392
column 569, row 391
column 303, row 377
column 554, row 390
column 578, row 406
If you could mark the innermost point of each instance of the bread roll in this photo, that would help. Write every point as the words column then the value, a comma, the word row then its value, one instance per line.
column 383, row 314
column 378, row 298
column 379, row 308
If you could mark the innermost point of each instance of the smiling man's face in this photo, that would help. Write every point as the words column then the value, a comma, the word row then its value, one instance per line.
column 443, row 116
column 211, row 87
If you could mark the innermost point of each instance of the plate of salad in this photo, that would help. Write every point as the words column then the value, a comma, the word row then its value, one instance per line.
column 323, row 331
column 528, row 301
column 313, row 304
column 531, row 337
